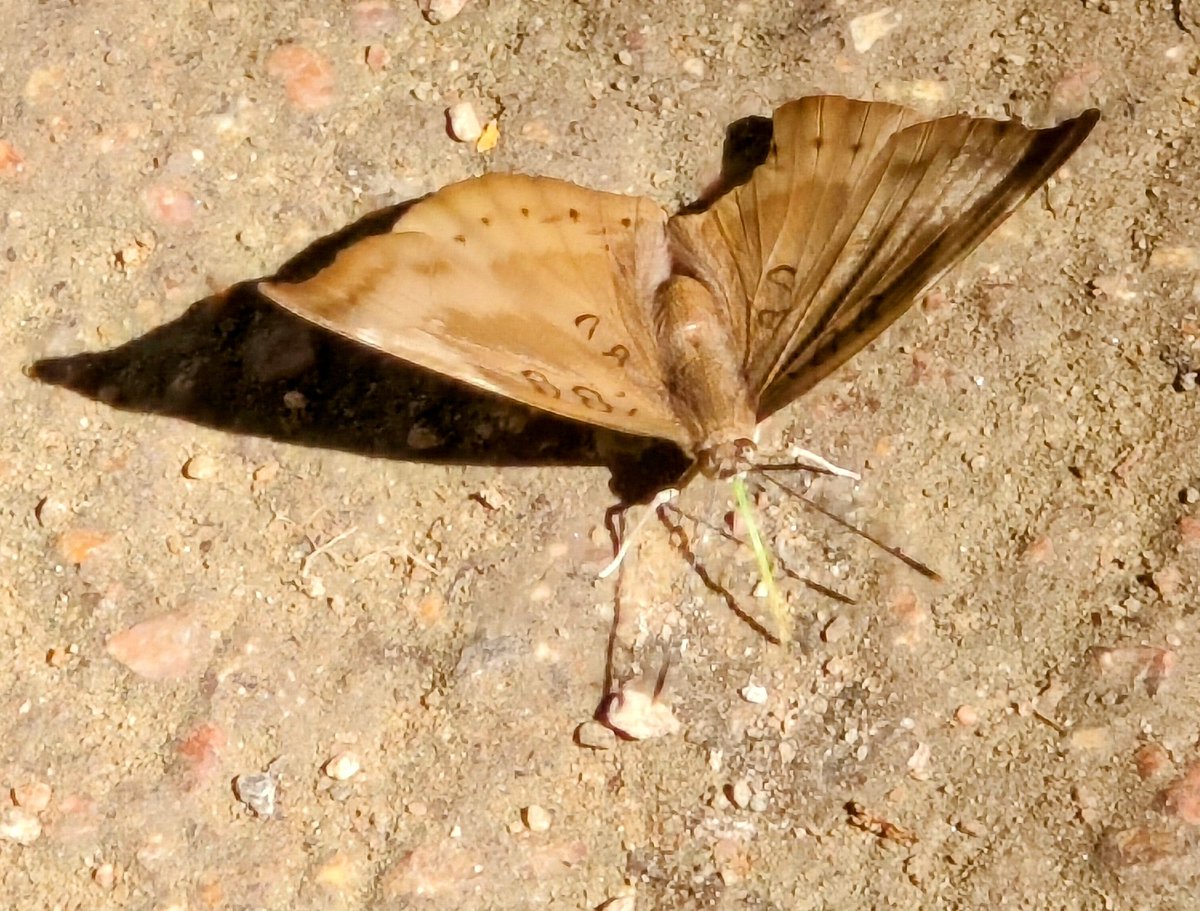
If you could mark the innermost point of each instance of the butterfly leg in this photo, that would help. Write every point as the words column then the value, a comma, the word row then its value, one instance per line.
column 660, row 498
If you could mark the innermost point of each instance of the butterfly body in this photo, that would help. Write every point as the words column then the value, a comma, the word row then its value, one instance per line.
column 703, row 375
column 694, row 327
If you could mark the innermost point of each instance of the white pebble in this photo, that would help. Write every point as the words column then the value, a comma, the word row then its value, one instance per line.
column 20, row 826
column 439, row 11
column 754, row 694
column 257, row 791
column 536, row 818
column 200, row 467
column 866, row 30
column 343, row 766
column 464, row 122
column 694, row 67
column 639, row 715
column 740, row 794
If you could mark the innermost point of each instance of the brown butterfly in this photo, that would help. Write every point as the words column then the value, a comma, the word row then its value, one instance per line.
column 693, row 327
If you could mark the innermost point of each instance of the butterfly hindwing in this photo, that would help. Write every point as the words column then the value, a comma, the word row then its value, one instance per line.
column 532, row 288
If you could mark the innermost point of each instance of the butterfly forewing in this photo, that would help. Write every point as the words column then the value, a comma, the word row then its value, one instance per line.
column 943, row 187
column 531, row 288
column 857, row 209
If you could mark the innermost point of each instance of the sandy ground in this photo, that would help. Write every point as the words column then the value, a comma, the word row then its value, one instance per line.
column 235, row 549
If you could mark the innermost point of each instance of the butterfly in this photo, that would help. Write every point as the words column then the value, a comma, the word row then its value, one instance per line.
column 692, row 327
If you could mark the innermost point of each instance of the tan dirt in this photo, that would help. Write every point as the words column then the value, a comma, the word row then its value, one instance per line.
column 234, row 546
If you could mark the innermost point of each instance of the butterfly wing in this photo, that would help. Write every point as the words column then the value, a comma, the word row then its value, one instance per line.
column 856, row 210
column 531, row 288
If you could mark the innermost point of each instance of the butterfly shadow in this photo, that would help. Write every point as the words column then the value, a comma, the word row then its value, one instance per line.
column 236, row 362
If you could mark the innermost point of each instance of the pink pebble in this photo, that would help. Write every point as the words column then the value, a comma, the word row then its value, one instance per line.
column 170, row 205
column 162, row 648
column 307, row 76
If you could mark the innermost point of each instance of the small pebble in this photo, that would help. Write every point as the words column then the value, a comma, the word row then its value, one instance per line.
column 636, row 713
column 257, row 791
column 966, row 716
column 76, row 545
column 11, row 161
column 371, row 18
column 694, row 67
column 868, row 29
column 463, row 122
column 19, row 825
column 200, row 467
column 595, row 736
column 307, row 76
column 34, row 796
column 739, row 793
column 759, row 803
column 536, row 818
column 1151, row 760
column 161, row 648
column 754, row 694
column 439, row 11
column 170, row 205
column 1182, row 798
column 343, row 766
column 104, row 876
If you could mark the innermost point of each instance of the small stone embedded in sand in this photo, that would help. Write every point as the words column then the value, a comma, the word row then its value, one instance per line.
column 1138, row 846
column 1151, row 760
column 76, row 545
column 371, row 18
column 439, row 11
column 694, row 67
column 104, row 876
column 739, row 793
column 636, row 712
column 257, row 791
column 200, row 467
column 754, row 693
column 1181, row 798
column 12, row 162
column 170, row 204
column 966, row 716
column 19, row 825
column 201, row 749
column 306, row 75
column 463, row 122
column 536, row 818
column 867, row 29
column 161, row 648
column 33, row 796
column 377, row 57
column 343, row 766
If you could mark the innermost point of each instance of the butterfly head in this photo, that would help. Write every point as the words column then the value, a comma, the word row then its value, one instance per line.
column 726, row 459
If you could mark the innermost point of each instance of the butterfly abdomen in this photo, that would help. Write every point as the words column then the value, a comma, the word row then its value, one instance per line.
column 703, row 374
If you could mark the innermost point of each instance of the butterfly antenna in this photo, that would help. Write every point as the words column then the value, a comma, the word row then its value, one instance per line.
column 660, row 498
column 810, row 461
column 896, row 552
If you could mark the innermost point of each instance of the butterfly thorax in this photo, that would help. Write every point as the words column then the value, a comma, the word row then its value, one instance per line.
column 704, row 376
